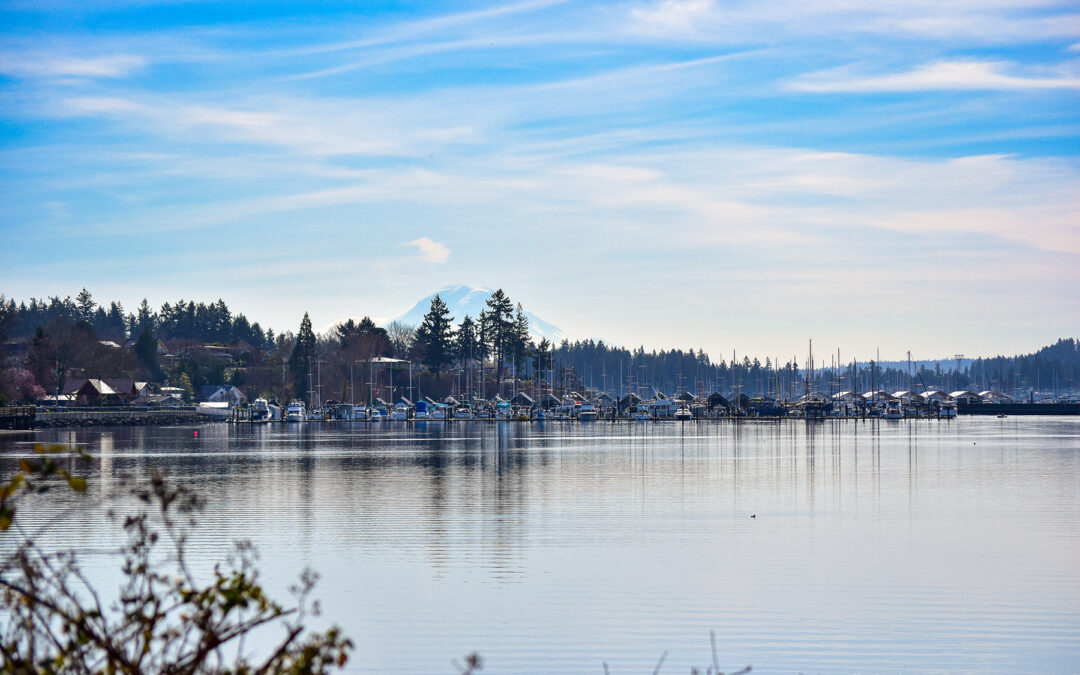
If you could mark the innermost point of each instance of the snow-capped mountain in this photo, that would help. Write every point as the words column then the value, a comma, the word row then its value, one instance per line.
column 462, row 300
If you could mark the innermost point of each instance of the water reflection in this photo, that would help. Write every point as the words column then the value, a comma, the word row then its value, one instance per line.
column 555, row 546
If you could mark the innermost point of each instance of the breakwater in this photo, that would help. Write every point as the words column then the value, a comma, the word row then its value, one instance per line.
column 39, row 418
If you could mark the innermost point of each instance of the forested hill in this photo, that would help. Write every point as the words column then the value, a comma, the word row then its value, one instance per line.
column 580, row 364
column 195, row 321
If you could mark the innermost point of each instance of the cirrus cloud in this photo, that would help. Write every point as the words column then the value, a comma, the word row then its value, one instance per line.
column 934, row 76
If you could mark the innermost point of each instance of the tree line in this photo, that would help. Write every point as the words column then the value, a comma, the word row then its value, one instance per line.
column 451, row 355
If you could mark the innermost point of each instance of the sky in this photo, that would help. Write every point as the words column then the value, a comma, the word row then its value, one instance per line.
column 893, row 175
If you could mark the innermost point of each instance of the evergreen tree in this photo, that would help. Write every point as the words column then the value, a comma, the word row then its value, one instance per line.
column 498, row 325
column 303, row 356
column 146, row 349
column 465, row 346
column 520, row 343
column 435, row 336
column 144, row 320
column 85, row 304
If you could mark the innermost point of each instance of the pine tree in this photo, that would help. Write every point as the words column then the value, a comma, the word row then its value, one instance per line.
column 465, row 347
column 85, row 303
column 146, row 349
column 520, row 342
column 303, row 356
column 498, row 326
column 434, row 335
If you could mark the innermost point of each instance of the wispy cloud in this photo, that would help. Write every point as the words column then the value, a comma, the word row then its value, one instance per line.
column 431, row 251
column 741, row 22
column 943, row 75
column 38, row 64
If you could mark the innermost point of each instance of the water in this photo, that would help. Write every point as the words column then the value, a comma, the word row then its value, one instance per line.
column 876, row 547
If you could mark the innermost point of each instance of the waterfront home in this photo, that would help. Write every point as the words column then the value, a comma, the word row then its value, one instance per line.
column 101, row 392
column 222, row 393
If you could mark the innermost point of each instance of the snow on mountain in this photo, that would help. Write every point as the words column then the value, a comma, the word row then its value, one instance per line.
column 462, row 300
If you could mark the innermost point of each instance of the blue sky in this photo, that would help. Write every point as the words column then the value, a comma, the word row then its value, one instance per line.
column 745, row 175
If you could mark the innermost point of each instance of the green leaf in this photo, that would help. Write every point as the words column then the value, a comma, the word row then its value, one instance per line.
column 77, row 484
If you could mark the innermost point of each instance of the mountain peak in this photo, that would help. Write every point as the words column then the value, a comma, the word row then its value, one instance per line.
column 463, row 300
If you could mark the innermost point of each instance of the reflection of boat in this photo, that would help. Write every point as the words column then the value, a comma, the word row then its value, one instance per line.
column 296, row 412
column 947, row 410
column 1002, row 416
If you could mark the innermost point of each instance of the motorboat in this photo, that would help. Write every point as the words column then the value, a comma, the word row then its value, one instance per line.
column 893, row 411
column 587, row 413
column 296, row 412
column 683, row 414
column 260, row 410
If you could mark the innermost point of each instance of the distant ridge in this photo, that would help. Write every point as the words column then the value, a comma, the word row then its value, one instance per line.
column 463, row 299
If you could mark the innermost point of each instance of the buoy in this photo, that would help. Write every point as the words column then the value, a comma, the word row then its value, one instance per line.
column 754, row 516
column 196, row 434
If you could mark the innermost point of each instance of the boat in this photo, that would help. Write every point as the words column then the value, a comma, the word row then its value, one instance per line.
column 947, row 410
column 215, row 409
column 463, row 413
column 260, row 410
column 893, row 411
column 587, row 413
column 296, row 412
column 642, row 414
column 683, row 414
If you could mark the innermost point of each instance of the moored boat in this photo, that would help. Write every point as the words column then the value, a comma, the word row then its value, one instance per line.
column 296, row 412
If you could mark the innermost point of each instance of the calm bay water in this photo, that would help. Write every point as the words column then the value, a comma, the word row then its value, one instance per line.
column 877, row 546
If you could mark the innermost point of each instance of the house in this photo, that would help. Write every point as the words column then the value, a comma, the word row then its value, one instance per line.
column 175, row 392
column 159, row 401
column 222, row 393
column 101, row 392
